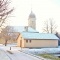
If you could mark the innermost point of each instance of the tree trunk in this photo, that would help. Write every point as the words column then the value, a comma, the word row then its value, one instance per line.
column 5, row 42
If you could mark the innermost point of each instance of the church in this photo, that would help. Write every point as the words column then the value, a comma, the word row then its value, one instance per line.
column 28, row 37
column 31, row 38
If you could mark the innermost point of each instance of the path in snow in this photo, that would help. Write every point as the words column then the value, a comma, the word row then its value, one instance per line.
column 17, row 55
column 4, row 56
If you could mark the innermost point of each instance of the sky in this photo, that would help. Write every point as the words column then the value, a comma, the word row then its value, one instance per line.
column 43, row 9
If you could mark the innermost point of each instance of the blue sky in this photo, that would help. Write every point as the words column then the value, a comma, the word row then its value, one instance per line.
column 43, row 9
column 56, row 1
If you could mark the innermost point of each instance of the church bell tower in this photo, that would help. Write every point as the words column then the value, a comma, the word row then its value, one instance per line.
column 32, row 20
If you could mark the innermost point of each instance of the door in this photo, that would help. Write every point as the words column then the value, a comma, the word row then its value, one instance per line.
column 20, row 43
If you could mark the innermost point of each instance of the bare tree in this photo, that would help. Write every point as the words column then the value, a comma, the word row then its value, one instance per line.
column 52, row 26
column 46, row 27
column 49, row 26
column 6, row 34
column 4, row 11
column 9, row 34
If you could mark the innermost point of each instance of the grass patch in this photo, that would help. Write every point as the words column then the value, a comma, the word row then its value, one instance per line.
column 9, row 52
column 49, row 56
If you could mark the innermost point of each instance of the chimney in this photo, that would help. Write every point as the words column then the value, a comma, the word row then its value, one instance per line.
column 26, row 28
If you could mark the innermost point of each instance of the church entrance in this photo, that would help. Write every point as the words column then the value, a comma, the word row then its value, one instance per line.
column 20, row 43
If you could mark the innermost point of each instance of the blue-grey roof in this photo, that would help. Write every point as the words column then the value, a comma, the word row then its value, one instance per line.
column 27, row 35
column 32, row 15
column 22, row 29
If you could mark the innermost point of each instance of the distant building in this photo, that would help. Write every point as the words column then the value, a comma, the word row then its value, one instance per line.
column 35, row 39
column 29, row 37
column 58, row 35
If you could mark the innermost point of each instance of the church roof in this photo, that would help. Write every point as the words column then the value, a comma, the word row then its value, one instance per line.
column 32, row 15
column 27, row 35
column 22, row 29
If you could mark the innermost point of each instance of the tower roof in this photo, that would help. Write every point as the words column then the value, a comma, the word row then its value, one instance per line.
column 32, row 15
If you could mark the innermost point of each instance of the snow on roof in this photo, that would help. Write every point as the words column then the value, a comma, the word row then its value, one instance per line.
column 28, row 35
column 22, row 29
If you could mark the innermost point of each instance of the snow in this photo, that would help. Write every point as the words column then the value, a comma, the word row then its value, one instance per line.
column 20, row 55
column 16, row 54
column 3, row 55
column 43, row 50
column 13, row 47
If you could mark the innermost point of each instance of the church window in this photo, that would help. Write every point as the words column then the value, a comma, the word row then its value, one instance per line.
column 30, row 41
column 26, row 41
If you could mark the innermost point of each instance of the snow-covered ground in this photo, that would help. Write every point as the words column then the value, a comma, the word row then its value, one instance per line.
column 3, row 55
column 34, row 51
column 27, row 50
column 17, row 54
column 43, row 50
column 12, row 46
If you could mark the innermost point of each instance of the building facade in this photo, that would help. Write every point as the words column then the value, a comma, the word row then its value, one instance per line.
column 37, row 40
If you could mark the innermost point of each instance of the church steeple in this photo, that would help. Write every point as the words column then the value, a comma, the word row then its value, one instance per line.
column 32, row 20
column 32, row 15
